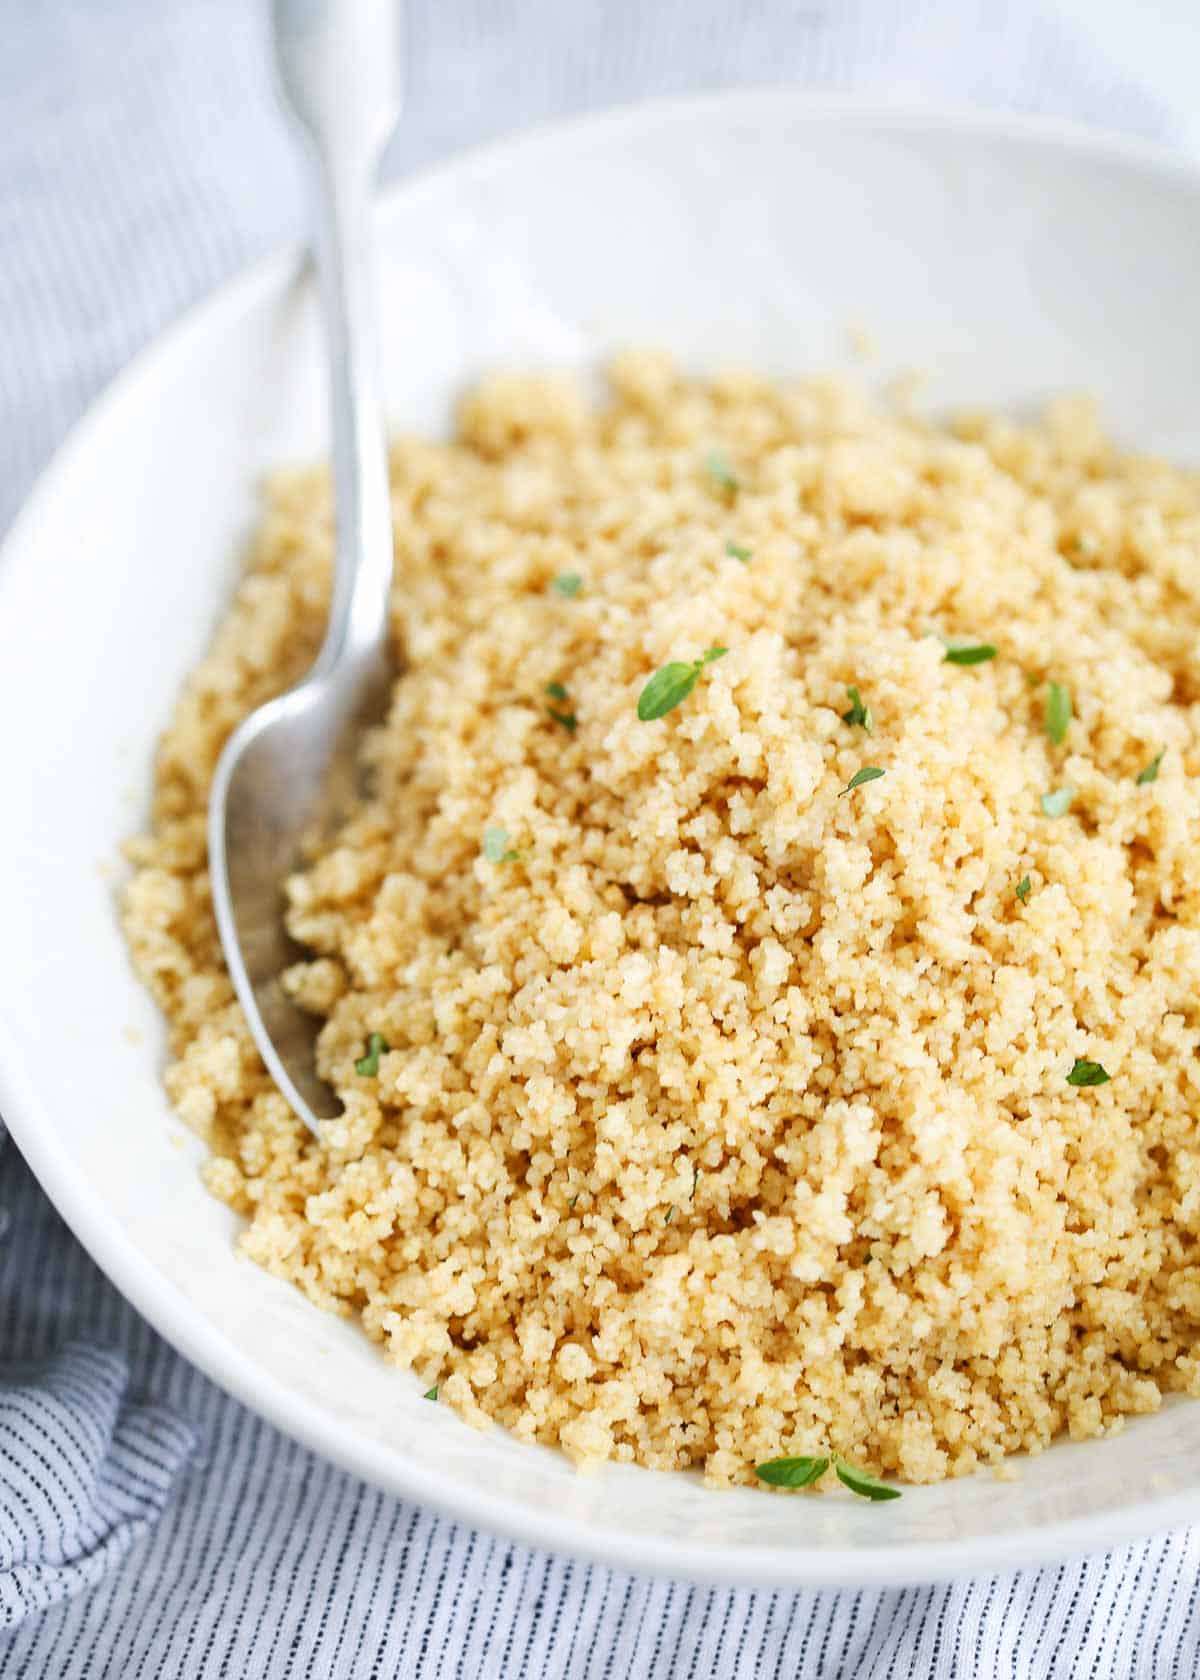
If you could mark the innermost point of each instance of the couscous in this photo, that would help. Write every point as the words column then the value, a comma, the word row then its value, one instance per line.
column 764, row 980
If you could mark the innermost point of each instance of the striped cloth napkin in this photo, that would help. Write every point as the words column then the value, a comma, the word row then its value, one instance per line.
column 84, row 1473
column 150, row 1526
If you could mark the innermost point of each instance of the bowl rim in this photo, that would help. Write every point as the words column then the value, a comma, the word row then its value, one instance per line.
column 161, row 1302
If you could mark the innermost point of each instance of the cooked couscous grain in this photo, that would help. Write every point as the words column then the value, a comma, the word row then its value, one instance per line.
column 711, row 1117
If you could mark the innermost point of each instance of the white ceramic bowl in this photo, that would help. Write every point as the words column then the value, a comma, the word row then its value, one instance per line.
column 1007, row 259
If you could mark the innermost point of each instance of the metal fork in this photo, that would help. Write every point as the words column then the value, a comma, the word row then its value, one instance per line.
column 288, row 770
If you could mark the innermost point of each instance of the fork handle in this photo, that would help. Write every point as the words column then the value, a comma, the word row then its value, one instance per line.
column 339, row 67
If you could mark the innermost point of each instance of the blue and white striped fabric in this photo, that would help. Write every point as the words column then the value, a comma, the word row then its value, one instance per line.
column 83, row 1474
column 149, row 1526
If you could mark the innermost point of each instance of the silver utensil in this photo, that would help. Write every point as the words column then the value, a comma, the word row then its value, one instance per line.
column 289, row 768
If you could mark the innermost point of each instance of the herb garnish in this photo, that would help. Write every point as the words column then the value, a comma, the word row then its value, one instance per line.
column 1088, row 1073
column 721, row 474
column 1150, row 773
column 736, row 552
column 969, row 653
column 862, row 1482
column 1058, row 712
column 859, row 712
column 368, row 1065
column 569, row 584
column 672, row 684
column 1058, row 803
column 670, row 1214
column 496, row 848
column 1024, row 888
column 791, row 1472
column 803, row 1472
column 868, row 773
column 569, row 721
column 430, row 1393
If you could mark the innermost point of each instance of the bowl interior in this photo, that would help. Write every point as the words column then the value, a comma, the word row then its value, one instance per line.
column 1005, row 263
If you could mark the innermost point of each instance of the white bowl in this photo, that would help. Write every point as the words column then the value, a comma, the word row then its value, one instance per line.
column 1010, row 260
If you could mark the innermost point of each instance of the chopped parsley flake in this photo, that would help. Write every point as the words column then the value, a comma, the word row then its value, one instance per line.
column 859, row 713
column 670, row 1214
column 430, row 1393
column 368, row 1065
column 969, row 653
column 569, row 584
column 736, row 552
column 672, row 684
column 1058, row 803
column 721, row 475
column 1024, row 888
column 1088, row 1073
column 1058, row 712
column 568, row 720
column 496, row 848
column 868, row 773
column 1150, row 773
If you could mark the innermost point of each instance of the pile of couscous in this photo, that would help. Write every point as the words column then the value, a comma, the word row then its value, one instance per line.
column 794, row 1050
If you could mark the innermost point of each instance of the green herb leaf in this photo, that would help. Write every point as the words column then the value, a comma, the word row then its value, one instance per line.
column 695, row 1181
column 859, row 713
column 1150, row 773
column 1058, row 712
column 1088, row 1073
column 721, row 474
column 1024, row 888
column 791, row 1472
column 568, row 720
column 868, row 773
column 572, row 1200
column 496, row 848
column 569, row 584
column 672, row 684
column 368, row 1065
column 970, row 653
column 670, row 1214
column 1058, row 803
column 736, row 552
column 430, row 1393
column 667, row 688
column 862, row 1482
